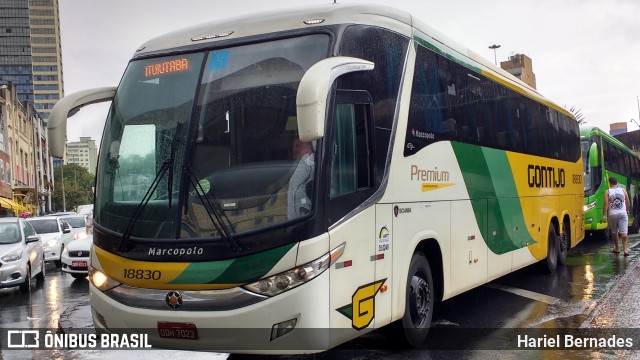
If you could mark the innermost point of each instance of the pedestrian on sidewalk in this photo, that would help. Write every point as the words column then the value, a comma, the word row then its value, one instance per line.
column 616, row 206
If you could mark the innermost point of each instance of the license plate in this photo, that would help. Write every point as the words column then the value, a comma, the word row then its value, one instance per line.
column 178, row 330
column 78, row 264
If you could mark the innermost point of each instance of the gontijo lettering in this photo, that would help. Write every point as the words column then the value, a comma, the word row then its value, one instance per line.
column 545, row 176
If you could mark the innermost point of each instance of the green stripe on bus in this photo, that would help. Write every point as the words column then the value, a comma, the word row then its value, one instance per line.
column 234, row 271
column 486, row 175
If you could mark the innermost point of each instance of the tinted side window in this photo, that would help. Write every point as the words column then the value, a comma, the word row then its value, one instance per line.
column 451, row 102
column 387, row 50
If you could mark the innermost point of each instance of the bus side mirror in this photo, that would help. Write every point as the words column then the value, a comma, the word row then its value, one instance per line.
column 593, row 155
column 311, row 100
column 67, row 107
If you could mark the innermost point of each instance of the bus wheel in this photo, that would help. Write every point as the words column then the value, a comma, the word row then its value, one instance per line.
column 420, row 298
column 564, row 244
column 552, row 249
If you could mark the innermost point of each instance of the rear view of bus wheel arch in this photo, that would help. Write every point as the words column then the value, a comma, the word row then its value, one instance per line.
column 420, row 300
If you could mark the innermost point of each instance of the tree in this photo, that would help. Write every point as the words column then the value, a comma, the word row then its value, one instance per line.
column 78, row 183
column 578, row 114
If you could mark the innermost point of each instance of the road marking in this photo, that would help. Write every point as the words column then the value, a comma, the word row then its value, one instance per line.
column 526, row 293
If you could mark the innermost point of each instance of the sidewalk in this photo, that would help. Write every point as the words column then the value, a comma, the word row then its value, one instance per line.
column 618, row 308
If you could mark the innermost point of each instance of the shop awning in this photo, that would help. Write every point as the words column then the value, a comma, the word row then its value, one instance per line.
column 11, row 204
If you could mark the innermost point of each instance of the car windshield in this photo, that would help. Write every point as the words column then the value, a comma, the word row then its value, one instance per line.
column 9, row 233
column 47, row 226
column 75, row 221
column 214, row 132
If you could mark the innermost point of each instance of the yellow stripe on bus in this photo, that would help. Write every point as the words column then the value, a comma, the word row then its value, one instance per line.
column 544, row 186
column 146, row 274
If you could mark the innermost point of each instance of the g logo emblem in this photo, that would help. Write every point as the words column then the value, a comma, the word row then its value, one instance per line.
column 362, row 309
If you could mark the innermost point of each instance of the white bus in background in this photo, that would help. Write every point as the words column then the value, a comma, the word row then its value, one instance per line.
column 315, row 174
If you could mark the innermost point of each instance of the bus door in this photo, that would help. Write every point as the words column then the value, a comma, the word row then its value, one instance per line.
column 349, row 145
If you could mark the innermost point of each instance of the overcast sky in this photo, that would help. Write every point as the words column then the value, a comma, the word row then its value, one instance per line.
column 586, row 53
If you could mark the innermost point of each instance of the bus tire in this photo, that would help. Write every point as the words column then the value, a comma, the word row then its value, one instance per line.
column 564, row 244
column 419, row 302
column 552, row 250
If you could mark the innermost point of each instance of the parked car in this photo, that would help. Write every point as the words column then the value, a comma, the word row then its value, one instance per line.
column 21, row 254
column 54, row 233
column 75, row 257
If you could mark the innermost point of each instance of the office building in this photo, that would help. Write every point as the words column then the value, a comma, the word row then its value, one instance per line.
column 617, row 128
column 520, row 66
column 30, row 51
column 83, row 153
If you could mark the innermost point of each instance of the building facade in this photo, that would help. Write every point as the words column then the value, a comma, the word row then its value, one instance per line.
column 83, row 153
column 30, row 51
column 46, row 55
column 520, row 66
column 25, row 180
column 15, row 48
column 617, row 128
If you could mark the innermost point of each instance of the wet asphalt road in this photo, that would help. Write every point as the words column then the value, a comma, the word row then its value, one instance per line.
column 528, row 298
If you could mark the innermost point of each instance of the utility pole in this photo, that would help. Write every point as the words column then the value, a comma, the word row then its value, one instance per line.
column 64, row 204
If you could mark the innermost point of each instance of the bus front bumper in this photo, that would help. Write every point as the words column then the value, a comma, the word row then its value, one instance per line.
column 262, row 327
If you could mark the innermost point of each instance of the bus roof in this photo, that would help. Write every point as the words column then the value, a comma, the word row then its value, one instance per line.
column 589, row 130
column 255, row 24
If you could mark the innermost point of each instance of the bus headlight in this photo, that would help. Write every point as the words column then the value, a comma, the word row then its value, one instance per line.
column 101, row 281
column 590, row 206
column 290, row 279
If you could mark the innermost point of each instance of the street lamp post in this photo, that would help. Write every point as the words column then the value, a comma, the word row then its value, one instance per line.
column 495, row 58
column 64, row 203
column 635, row 122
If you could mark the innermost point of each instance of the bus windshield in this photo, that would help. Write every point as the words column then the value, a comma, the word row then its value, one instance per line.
column 585, row 144
column 206, row 143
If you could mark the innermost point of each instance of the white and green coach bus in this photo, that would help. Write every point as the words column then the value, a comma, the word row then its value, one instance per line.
column 298, row 179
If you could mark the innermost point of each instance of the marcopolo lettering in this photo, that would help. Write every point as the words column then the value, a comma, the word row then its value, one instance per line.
column 176, row 251
column 545, row 176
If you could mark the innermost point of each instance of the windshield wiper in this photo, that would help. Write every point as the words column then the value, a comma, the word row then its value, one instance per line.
column 213, row 213
column 166, row 165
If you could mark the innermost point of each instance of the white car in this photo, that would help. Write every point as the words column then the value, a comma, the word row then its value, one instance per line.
column 75, row 257
column 79, row 226
column 54, row 233
column 21, row 254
